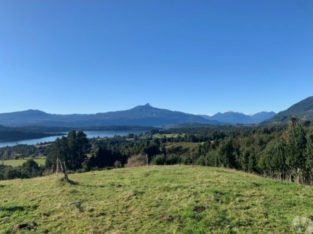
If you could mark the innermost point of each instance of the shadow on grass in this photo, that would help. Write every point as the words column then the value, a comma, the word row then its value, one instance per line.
column 12, row 209
column 72, row 182
column 108, row 185
column 68, row 181
column 93, row 186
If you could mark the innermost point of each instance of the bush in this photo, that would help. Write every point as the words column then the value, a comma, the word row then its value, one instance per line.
column 30, row 169
column 173, row 159
column 9, row 172
column 105, row 158
column 170, row 159
column 159, row 160
column 118, row 164
column 137, row 161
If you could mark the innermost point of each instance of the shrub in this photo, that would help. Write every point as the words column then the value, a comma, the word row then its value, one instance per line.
column 159, row 160
column 118, row 164
column 30, row 169
column 137, row 161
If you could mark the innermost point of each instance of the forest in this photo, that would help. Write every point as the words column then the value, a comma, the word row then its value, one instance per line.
column 283, row 152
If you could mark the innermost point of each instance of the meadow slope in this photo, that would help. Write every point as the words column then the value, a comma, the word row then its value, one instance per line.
column 169, row 199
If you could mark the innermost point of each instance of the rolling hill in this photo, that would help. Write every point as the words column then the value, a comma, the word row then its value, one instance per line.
column 144, row 115
column 303, row 110
column 168, row 199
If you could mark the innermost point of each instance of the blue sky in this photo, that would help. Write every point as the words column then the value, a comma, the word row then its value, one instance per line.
column 197, row 56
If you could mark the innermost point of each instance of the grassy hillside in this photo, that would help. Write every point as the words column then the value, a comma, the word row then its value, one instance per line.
column 18, row 162
column 177, row 199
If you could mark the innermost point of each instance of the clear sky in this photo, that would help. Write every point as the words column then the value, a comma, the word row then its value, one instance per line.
column 197, row 56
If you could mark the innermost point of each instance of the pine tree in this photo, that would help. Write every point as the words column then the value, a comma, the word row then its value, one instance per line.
column 278, row 160
column 309, row 156
column 296, row 145
column 252, row 163
column 68, row 152
column 227, row 154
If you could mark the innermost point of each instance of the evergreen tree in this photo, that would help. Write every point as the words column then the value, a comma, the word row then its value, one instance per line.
column 78, row 145
column 227, row 154
column 296, row 146
column 309, row 157
column 278, row 160
column 244, row 159
column 70, row 151
column 252, row 163
column 105, row 158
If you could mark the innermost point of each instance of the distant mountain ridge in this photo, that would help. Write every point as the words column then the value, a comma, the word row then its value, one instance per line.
column 144, row 115
column 240, row 118
column 302, row 110
column 16, row 134
column 148, row 116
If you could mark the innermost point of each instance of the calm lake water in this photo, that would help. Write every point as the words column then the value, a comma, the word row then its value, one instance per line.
column 90, row 134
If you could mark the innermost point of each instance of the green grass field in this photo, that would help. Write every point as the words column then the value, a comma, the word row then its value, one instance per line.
column 19, row 162
column 170, row 135
column 171, row 199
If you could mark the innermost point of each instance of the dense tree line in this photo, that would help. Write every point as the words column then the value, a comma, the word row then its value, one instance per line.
column 282, row 152
column 29, row 169
column 21, row 151
column 290, row 158
column 68, row 153
column 285, row 154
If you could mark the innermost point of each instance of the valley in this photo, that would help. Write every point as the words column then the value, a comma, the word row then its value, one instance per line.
column 156, row 117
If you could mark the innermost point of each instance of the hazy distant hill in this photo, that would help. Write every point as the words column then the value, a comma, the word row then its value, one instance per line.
column 240, row 118
column 302, row 110
column 15, row 134
column 145, row 115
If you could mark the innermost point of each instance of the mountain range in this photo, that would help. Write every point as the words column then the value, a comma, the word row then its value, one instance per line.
column 240, row 118
column 302, row 110
column 144, row 115
column 148, row 116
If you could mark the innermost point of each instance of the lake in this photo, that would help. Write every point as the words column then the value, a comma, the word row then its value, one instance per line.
column 90, row 134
